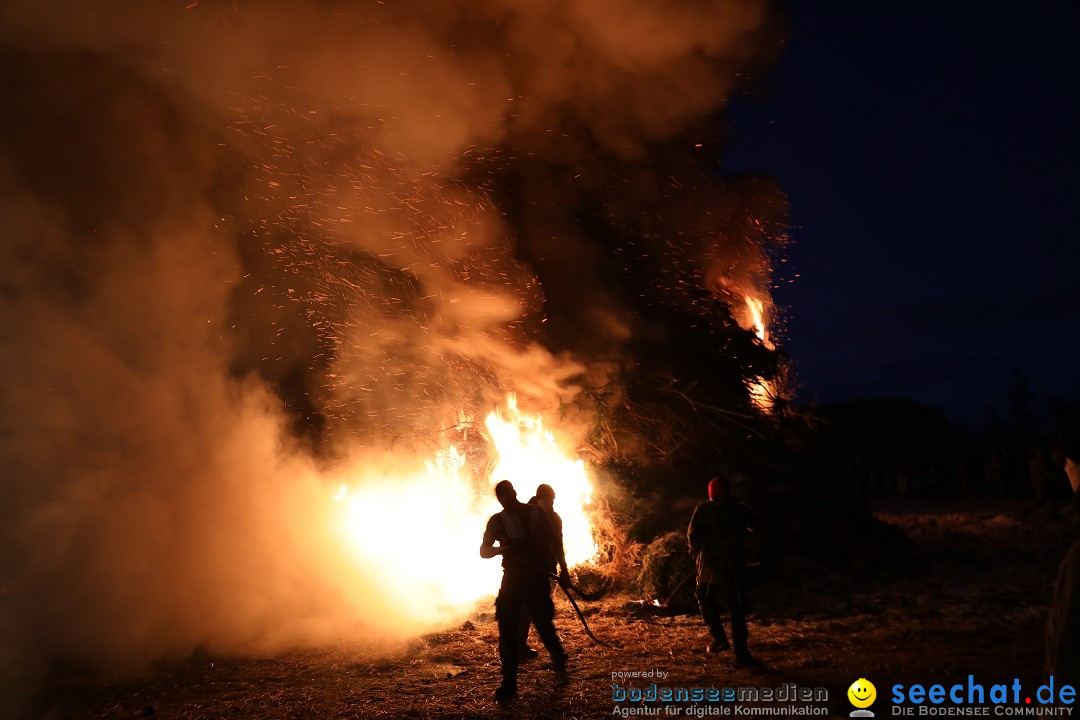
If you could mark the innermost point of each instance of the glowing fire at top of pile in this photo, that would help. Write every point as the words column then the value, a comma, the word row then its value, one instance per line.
column 756, row 307
column 415, row 537
column 762, row 392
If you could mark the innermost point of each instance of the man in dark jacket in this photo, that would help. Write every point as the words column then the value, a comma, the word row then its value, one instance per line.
column 524, row 536
column 1063, row 627
column 545, row 500
column 716, row 536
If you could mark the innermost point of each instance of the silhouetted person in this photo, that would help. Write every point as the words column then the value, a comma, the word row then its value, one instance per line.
column 524, row 536
column 545, row 500
column 1063, row 627
column 717, row 535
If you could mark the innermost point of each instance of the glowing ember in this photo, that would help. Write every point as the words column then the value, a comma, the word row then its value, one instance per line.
column 417, row 536
column 762, row 394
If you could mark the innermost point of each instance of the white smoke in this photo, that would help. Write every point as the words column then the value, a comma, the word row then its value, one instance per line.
column 214, row 212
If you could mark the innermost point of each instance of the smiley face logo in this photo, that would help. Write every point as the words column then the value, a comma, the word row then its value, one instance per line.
column 862, row 693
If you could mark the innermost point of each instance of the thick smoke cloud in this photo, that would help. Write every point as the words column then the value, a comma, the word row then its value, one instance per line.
column 249, row 245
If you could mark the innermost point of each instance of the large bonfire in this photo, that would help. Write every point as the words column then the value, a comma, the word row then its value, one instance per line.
column 257, row 253
column 439, row 569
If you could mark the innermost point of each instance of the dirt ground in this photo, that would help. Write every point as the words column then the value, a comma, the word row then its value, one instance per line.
column 971, row 599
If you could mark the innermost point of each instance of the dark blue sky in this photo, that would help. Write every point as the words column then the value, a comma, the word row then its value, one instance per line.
column 931, row 154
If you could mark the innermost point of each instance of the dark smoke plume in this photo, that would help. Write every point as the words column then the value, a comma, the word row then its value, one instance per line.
column 247, row 245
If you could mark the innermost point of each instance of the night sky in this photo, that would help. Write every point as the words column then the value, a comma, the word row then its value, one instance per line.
column 930, row 152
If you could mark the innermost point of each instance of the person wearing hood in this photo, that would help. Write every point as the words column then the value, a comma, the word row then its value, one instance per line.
column 1063, row 627
column 716, row 537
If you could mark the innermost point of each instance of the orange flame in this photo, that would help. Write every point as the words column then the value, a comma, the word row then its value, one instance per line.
column 756, row 308
column 528, row 456
column 416, row 536
column 762, row 392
